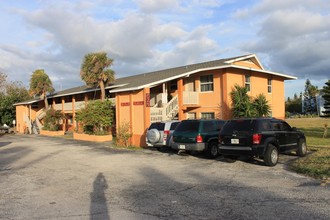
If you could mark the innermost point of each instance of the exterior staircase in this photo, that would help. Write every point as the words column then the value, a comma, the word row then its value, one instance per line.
column 165, row 113
column 36, row 124
column 28, row 123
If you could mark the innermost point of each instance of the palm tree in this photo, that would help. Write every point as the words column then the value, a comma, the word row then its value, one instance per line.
column 95, row 73
column 40, row 84
column 241, row 102
column 261, row 106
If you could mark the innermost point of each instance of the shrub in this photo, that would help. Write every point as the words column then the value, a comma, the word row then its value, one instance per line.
column 52, row 120
column 96, row 117
column 123, row 134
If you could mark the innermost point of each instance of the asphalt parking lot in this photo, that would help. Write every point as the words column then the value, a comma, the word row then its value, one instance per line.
column 56, row 178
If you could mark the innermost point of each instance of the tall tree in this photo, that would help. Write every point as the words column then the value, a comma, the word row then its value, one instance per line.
column 310, row 97
column 261, row 106
column 11, row 93
column 95, row 72
column 40, row 84
column 3, row 78
column 326, row 97
column 293, row 105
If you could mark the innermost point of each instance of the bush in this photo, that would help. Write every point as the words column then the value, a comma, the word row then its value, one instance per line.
column 123, row 134
column 97, row 117
column 52, row 120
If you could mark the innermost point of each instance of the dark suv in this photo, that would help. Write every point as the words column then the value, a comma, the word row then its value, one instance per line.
column 260, row 137
column 198, row 135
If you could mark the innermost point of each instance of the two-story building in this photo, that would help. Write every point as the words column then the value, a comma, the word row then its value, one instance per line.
column 199, row 90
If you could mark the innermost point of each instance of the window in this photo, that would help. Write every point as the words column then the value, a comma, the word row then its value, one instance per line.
column 248, row 82
column 206, row 83
column 209, row 126
column 207, row 115
column 191, row 115
column 269, row 83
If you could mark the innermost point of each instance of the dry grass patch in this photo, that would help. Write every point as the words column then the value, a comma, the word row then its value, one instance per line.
column 316, row 164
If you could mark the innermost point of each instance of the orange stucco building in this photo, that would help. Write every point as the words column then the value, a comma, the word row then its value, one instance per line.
column 193, row 91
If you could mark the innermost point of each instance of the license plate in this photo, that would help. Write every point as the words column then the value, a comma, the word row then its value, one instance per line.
column 235, row 141
column 182, row 147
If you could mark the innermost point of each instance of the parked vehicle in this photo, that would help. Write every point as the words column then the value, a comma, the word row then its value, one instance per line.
column 198, row 135
column 4, row 128
column 260, row 137
column 160, row 133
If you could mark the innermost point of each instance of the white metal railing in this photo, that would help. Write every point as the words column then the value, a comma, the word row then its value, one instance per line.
column 78, row 105
column 166, row 112
column 190, row 98
column 171, row 108
column 156, row 114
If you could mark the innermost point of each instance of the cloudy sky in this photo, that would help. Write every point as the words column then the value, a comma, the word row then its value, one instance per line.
column 288, row 36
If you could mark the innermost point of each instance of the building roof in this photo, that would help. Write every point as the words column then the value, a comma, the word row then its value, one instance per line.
column 155, row 78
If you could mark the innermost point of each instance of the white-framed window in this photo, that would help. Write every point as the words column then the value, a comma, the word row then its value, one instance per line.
column 207, row 115
column 206, row 83
column 269, row 84
column 191, row 115
column 248, row 82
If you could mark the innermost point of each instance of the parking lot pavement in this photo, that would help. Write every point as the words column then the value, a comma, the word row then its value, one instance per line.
column 55, row 178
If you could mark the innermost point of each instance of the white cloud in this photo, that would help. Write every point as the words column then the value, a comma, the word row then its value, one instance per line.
column 152, row 6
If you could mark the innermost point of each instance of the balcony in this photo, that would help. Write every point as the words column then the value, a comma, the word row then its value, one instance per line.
column 190, row 98
column 68, row 106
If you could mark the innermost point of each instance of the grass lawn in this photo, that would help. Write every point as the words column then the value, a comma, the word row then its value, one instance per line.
column 317, row 163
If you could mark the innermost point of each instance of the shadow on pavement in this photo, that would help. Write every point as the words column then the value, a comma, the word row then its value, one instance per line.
column 98, row 207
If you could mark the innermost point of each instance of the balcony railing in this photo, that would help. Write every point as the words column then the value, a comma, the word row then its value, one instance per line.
column 190, row 98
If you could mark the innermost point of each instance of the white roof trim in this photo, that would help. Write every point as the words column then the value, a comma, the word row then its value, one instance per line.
column 65, row 94
column 265, row 71
column 199, row 70
column 168, row 79
column 246, row 57
column 88, row 90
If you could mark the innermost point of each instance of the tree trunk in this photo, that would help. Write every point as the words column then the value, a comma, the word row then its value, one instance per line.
column 102, row 91
column 46, row 101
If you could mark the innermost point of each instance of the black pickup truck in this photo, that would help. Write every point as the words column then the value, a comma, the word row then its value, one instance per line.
column 260, row 137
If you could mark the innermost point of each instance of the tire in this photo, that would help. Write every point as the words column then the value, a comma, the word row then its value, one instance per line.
column 302, row 148
column 153, row 136
column 212, row 150
column 271, row 156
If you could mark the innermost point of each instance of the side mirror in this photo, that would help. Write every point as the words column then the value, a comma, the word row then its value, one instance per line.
column 294, row 129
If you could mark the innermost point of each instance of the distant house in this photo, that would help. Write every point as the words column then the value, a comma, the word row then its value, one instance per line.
column 199, row 90
column 320, row 104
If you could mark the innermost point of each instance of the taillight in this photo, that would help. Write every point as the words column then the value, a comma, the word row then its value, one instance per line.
column 166, row 132
column 256, row 138
column 199, row 139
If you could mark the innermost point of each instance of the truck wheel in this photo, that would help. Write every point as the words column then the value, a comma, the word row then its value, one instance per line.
column 212, row 150
column 271, row 156
column 302, row 148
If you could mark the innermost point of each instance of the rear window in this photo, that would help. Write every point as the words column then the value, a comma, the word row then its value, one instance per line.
column 188, row 126
column 209, row 126
column 173, row 125
column 239, row 125
column 159, row 126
